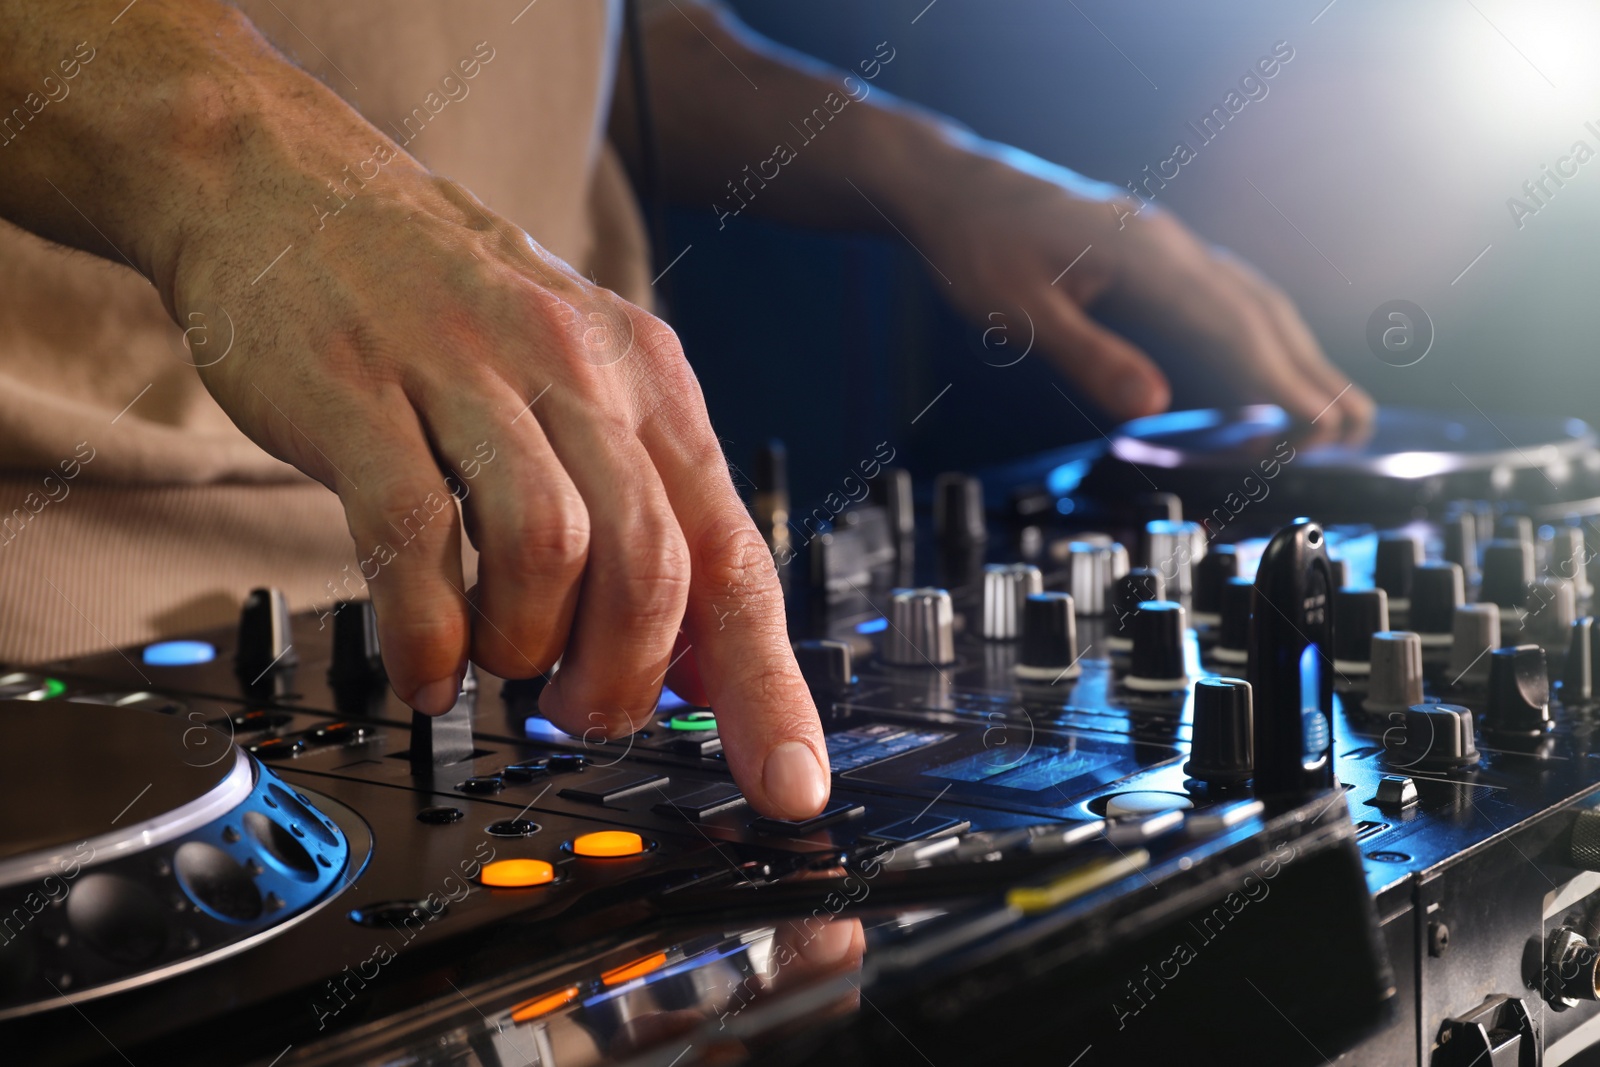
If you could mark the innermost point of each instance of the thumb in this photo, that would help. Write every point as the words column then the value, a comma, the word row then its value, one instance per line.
column 1113, row 373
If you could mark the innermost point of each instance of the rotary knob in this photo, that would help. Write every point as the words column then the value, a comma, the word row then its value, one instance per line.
column 1174, row 549
column 921, row 629
column 1474, row 633
column 1127, row 593
column 357, row 662
column 1210, row 575
column 266, row 645
column 1158, row 664
column 1222, row 750
column 1519, row 693
column 1006, row 586
column 958, row 517
column 1049, row 638
column 1507, row 574
column 1569, row 559
column 1431, row 737
column 1584, row 851
column 1357, row 615
column 1233, row 636
column 1088, row 574
column 825, row 665
column 1398, row 556
column 1437, row 589
column 1396, row 680
column 1551, row 609
column 1461, row 545
column 891, row 490
column 1515, row 528
column 1577, row 674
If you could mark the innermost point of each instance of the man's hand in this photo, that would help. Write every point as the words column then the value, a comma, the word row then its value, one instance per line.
column 414, row 344
column 1005, row 226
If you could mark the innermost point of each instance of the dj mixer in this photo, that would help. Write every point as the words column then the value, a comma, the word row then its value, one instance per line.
column 1221, row 741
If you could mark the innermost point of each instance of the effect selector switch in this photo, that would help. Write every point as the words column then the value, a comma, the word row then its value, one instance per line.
column 1134, row 588
column 1398, row 556
column 1396, row 680
column 1006, row 586
column 921, row 628
column 1519, row 694
column 1437, row 589
column 1210, row 575
column 1233, row 636
column 1049, row 639
column 265, row 643
column 1357, row 615
column 1157, row 665
column 1222, row 752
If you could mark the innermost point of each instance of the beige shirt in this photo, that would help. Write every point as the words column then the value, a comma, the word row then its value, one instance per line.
column 130, row 506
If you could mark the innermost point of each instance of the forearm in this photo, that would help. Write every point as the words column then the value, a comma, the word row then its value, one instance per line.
column 129, row 136
column 747, row 126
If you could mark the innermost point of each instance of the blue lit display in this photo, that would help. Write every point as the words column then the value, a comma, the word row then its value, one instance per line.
column 872, row 626
column 179, row 653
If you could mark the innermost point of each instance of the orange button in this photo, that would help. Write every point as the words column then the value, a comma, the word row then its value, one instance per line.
column 637, row 969
column 529, row 1010
column 608, row 843
column 517, row 874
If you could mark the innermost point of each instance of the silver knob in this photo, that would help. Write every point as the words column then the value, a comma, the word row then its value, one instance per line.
column 1476, row 630
column 1173, row 549
column 1005, row 587
column 1396, row 681
column 921, row 628
column 1088, row 574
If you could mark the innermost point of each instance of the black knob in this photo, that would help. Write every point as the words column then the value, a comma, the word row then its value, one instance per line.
column 1219, row 564
column 1507, row 573
column 1431, row 737
column 1398, row 556
column 1233, row 636
column 825, row 665
column 958, row 517
column 1437, row 589
column 769, row 505
column 1221, row 752
column 1552, row 607
column 1158, row 663
column 1049, row 638
column 1514, row 528
column 1577, row 674
column 266, row 645
column 1461, row 544
column 1127, row 593
column 1151, row 506
column 1519, row 693
column 892, row 490
column 1357, row 615
column 357, row 661
column 1396, row 680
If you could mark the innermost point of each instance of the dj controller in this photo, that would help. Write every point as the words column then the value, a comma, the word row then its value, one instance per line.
column 1220, row 741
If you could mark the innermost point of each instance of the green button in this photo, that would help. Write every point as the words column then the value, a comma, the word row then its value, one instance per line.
column 54, row 687
column 693, row 721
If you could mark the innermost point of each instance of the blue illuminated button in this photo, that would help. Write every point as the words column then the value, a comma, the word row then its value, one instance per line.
column 179, row 653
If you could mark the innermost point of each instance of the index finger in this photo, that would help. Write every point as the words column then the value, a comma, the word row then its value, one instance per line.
column 735, row 624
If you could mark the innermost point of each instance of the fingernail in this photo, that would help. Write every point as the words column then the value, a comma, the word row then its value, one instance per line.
column 436, row 698
column 794, row 781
